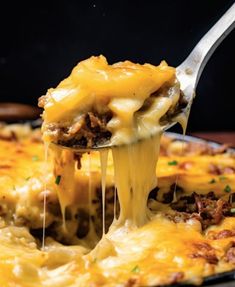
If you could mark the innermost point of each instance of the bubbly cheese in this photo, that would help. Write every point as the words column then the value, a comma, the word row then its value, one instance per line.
column 158, row 252
column 137, row 237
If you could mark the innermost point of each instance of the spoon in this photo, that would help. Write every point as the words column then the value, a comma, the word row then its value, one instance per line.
column 189, row 72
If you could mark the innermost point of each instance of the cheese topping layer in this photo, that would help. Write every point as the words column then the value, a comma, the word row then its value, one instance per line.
column 126, row 90
column 160, row 233
column 170, row 247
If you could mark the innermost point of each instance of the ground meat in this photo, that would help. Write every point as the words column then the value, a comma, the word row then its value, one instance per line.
column 90, row 130
column 178, row 217
column 209, row 208
column 219, row 170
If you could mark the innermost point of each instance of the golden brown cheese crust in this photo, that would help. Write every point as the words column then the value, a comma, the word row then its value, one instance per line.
column 174, row 239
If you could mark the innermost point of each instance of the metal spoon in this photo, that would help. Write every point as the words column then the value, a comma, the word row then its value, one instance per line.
column 189, row 72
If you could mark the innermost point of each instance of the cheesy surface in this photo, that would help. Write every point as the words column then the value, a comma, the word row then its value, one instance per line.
column 113, row 217
column 162, row 251
column 125, row 90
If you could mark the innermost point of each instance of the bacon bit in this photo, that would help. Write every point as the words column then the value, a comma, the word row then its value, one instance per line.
column 230, row 255
column 205, row 251
column 223, row 234
column 186, row 165
column 218, row 170
column 214, row 169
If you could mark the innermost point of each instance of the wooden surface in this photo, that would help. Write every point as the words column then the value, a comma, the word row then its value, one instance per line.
column 13, row 112
column 221, row 137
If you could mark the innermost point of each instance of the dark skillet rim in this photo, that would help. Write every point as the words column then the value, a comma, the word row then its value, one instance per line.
column 189, row 138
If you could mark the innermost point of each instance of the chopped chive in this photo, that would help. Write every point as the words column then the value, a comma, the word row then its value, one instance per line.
column 136, row 269
column 232, row 210
column 35, row 158
column 212, row 181
column 27, row 178
column 227, row 188
column 173, row 162
column 222, row 177
column 57, row 180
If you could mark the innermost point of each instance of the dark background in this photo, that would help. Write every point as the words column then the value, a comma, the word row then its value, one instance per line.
column 41, row 41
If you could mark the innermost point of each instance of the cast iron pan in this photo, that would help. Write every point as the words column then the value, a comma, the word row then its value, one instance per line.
column 20, row 113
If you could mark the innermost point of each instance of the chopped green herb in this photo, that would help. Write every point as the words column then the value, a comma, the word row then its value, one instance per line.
column 57, row 180
column 212, row 181
column 136, row 269
column 27, row 178
column 173, row 162
column 222, row 177
column 227, row 188
column 14, row 188
column 35, row 158
column 232, row 210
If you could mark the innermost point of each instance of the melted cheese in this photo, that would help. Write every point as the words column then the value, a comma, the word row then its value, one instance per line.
column 152, row 254
column 121, row 88
column 135, row 176
column 141, row 247
column 124, row 88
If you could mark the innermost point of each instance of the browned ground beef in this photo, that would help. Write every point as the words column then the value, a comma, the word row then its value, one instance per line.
column 209, row 209
column 90, row 131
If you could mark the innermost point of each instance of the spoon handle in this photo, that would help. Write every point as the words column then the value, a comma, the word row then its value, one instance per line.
column 194, row 64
